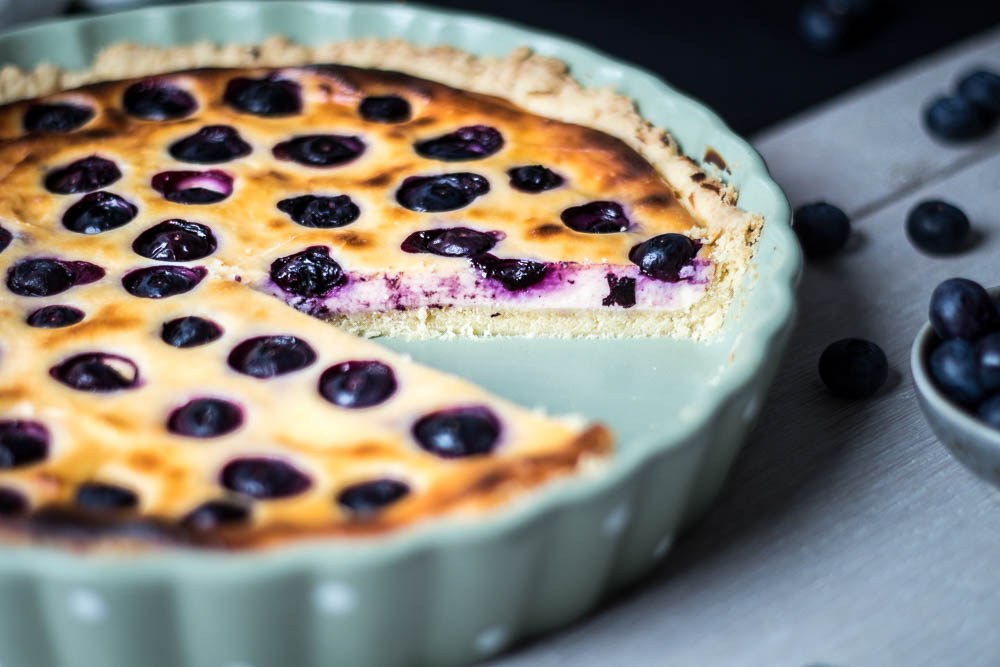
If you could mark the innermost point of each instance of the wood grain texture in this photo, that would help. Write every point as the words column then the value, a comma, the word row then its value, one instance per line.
column 846, row 534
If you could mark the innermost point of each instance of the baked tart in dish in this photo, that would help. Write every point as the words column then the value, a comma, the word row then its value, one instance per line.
column 153, row 389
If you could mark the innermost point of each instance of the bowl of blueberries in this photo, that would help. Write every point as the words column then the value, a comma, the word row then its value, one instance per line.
column 955, row 361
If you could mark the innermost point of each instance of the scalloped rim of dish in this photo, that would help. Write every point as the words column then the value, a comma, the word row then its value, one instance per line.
column 759, row 338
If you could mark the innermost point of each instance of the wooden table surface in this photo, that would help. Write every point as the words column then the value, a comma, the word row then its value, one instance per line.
column 846, row 534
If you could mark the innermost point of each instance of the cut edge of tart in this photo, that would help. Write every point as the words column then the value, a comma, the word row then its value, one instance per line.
column 694, row 307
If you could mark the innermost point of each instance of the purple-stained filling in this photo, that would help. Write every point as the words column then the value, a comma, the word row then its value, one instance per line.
column 445, row 192
column 310, row 273
column 534, row 178
column 269, row 96
column 5, row 239
column 268, row 356
column 22, row 442
column 175, row 241
column 205, row 418
column 514, row 274
column 85, row 175
column 263, row 478
column 102, row 497
column 214, row 514
column 190, row 331
column 56, row 117
column 596, row 217
column 156, row 99
column 451, row 242
column 211, row 144
column 98, row 212
column 472, row 142
column 320, row 212
column 47, row 277
column 160, row 282
column 55, row 317
column 368, row 497
column 458, row 432
column 12, row 503
column 662, row 257
column 357, row 384
column 320, row 150
column 193, row 187
column 97, row 371
column 385, row 109
column 621, row 292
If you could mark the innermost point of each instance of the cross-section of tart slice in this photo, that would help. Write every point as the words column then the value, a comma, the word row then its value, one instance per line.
column 221, row 416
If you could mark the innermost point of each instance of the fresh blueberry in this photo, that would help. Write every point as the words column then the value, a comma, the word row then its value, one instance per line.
column 385, row 109
column 853, row 367
column 472, row 142
column 98, row 496
column 831, row 25
column 982, row 89
column 310, row 273
column 961, row 308
column 938, row 228
column 954, row 118
column 12, row 503
column 270, row 96
column 368, row 497
column 534, row 178
column 263, row 478
column 596, row 217
column 5, row 239
column 662, row 257
column 97, row 371
column 357, row 384
column 175, row 241
column 47, row 277
column 190, row 331
column 160, row 282
column 513, row 274
column 22, row 442
column 953, row 367
column 435, row 194
column 458, row 432
column 211, row 144
column 621, row 292
column 155, row 99
column 85, row 175
column 193, row 187
column 319, row 211
column 822, row 229
column 988, row 361
column 98, row 212
column 320, row 150
column 205, row 418
column 55, row 317
column 450, row 242
column 989, row 411
column 268, row 356
column 58, row 117
column 213, row 514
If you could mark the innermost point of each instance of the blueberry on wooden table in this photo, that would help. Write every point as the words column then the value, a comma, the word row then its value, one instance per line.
column 982, row 89
column 822, row 228
column 831, row 25
column 955, row 118
column 938, row 228
column 961, row 308
column 853, row 367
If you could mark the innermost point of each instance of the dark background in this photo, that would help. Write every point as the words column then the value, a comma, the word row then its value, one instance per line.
column 745, row 58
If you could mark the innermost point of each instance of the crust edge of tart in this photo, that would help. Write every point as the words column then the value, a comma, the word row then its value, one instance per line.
column 539, row 84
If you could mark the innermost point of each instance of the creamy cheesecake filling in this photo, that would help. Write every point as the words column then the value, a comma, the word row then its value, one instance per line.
column 566, row 285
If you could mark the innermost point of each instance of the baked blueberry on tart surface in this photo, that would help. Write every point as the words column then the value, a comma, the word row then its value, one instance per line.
column 150, row 374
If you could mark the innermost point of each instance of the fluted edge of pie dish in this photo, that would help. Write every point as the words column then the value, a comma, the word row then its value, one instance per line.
column 411, row 598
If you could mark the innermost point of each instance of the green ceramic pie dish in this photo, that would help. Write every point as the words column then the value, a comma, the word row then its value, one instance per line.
column 453, row 591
